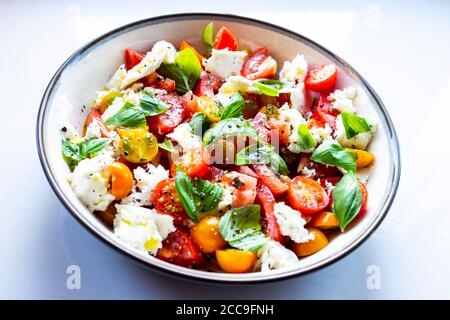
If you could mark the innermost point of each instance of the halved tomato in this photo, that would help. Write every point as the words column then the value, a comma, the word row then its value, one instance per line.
column 165, row 123
column 94, row 115
column 193, row 163
column 323, row 113
column 259, row 65
column 321, row 170
column 132, row 58
column 158, row 81
column 267, row 201
column 178, row 248
column 208, row 85
column 225, row 39
column 268, row 177
column 165, row 200
column 321, row 78
column 307, row 195
column 190, row 103
column 184, row 44
column 244, row 187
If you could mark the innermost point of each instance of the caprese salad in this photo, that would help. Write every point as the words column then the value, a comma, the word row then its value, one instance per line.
column 222, row 160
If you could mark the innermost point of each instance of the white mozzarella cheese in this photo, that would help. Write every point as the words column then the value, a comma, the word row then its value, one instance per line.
column 291, row 223
column 275, row 256
column 294, row 70
column 225, row 63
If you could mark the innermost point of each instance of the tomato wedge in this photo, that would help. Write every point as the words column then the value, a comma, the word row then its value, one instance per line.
column 193, row 163
column 262, row 126
column 159, row 82
column 225, row 39
column 165, row 123
column 323, row 114
column 166, row 201
column 243, row 186
column 184, row 44
column 132, row 58
column 322, row 170
column 307, row 195
column 270, row 179
column 321, row 78
column 94, row 115
column 259, row 65
column 208, row 85
column 267, row 201
column 178, row 248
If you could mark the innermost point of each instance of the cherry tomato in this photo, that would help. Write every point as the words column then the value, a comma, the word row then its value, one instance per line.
column 268, row 177
column 267, row 201
column 209, row 107
column 165, row 123
column 137, row 145
column 321, row 78
column 121, row 180
column 322, row 170
column 207, row 236
column 208, row 85
column 312, row 246
column 132, row 58
column 324, row 220
column 166, row 201
column 184, row 44
column 159, row 82
column 259, row 65
column 190, row 103
column 248, row 171
column 307, row 195
column 225, row 39
column 235, row 261
column 108, row 100
column 178, row 248
column 192, row 163
column 323, row 114
column 244, row 187
column 94, row 115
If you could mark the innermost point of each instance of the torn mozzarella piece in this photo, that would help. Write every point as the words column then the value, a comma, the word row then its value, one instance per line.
column 342, row 100
column 93, row 130
column 238, row 84
column 274, row 256
column 185, row 137
column 294, row 118
column 115, row 107
column 298, row 98
column 225, row 63
column 117, row 79
column 360, row 141
column 320, row 134
column 294, row 70
column 69, row 133
column 291, row 223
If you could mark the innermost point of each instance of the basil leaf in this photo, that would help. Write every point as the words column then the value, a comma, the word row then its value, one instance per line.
column 90, row 148
column 199, row 123
column 347, row 199
column 261, row 154
column 128, row 116
column 185, row 70
column 270, row 87
column 234, row 108
column 73, row 153
column 354, row 124
column 307, row 141
column 152, row 106
column 228, row 128
column 241, row 228
column 331, row 153
column 198, row 196
column 207, row 34
column 166, row 145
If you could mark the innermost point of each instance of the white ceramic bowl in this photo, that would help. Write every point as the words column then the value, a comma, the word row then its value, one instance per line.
column 89, row 68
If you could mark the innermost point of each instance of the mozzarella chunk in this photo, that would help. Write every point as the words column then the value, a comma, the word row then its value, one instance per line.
column 342, row 100
column 238, row 84
column 294, row 70
column 162, row 52
column 225, row 63
column 320, row 134
column 93, row 130
column 294, row 118
column 89, row 181
column 227, row 200
column 275, row 256
column 118, row 78
column 307, row 172
column 291, row 223
column 298, row 99
column 186, row 138
column 68, row 132
column 115, row 107
column 145, row 183
column 143, row 229
column 360, row 141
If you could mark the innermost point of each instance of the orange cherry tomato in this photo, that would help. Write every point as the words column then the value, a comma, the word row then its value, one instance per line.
column 321, row 78
column 235, row 261
column 194, row 163
column 184, row 44
column 307, row 195
column 225, row 39
column 312, row 246
column 324, row 220
column 207, row 236
column 121, row 180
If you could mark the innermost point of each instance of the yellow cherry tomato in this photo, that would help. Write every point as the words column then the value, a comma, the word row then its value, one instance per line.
column 108, row 100
column 235, row 261
column 209, row 107
column 121, row 180
column 207, row 236
column 312, row 246
column 138, row 145
column 363, row 158
column 324, row 220
column 271, row 111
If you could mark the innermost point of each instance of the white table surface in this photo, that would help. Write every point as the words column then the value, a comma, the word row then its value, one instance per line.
column 402, row 49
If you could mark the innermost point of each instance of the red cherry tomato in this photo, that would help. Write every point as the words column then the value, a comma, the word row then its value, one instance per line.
column 307, row 195
column 225, row 39
column 178, row 248
column 322, row 170
column 208, row 85
column 159, row 82
column 94, row 115
column 165, row 123
column 321, row 78
column 270, row 179
column 259, row 65
column 323, row 114
column 166, row 201
column 267, row 201
column 190, row 103
column 132, row 58
column 194, row 164
column 244, row 187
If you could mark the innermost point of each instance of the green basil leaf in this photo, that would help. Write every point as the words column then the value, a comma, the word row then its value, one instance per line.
column 185, row 70
column 234, row 108
column 198, row 196
column 152, row 106
column 347, row 199
column 74, row 153
column 261, row 154
column 241, row 228
column 229, row 128
column 331, row 153
column 128, row 116
column 71, row 153
column 199, row 123
column 166, row 145
column 270, row 87
column 307, row 141
column 90, row 148
column 354, row 124
column 207, row 34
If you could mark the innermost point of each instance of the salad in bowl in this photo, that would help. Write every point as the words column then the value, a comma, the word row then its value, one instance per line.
column 224, row 160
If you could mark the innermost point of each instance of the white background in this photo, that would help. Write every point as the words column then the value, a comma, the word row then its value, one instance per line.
column 402, row 49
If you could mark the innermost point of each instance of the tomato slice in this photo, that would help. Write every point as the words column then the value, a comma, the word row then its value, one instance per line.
column 193, row 163
column 178, row 248
column 94, row 115
column 132, row 58
column 165, row 123
column 269, row 178
column 166, row 201
column 323, row 113
column 244, row 187
column 307, row 195
column 321, row 78
column 259, row 65
column 267, row 201
column 159, row 82
column 225, row 39
column 208, row 85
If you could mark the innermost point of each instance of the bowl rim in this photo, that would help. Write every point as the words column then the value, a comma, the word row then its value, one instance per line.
column 186, row 273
